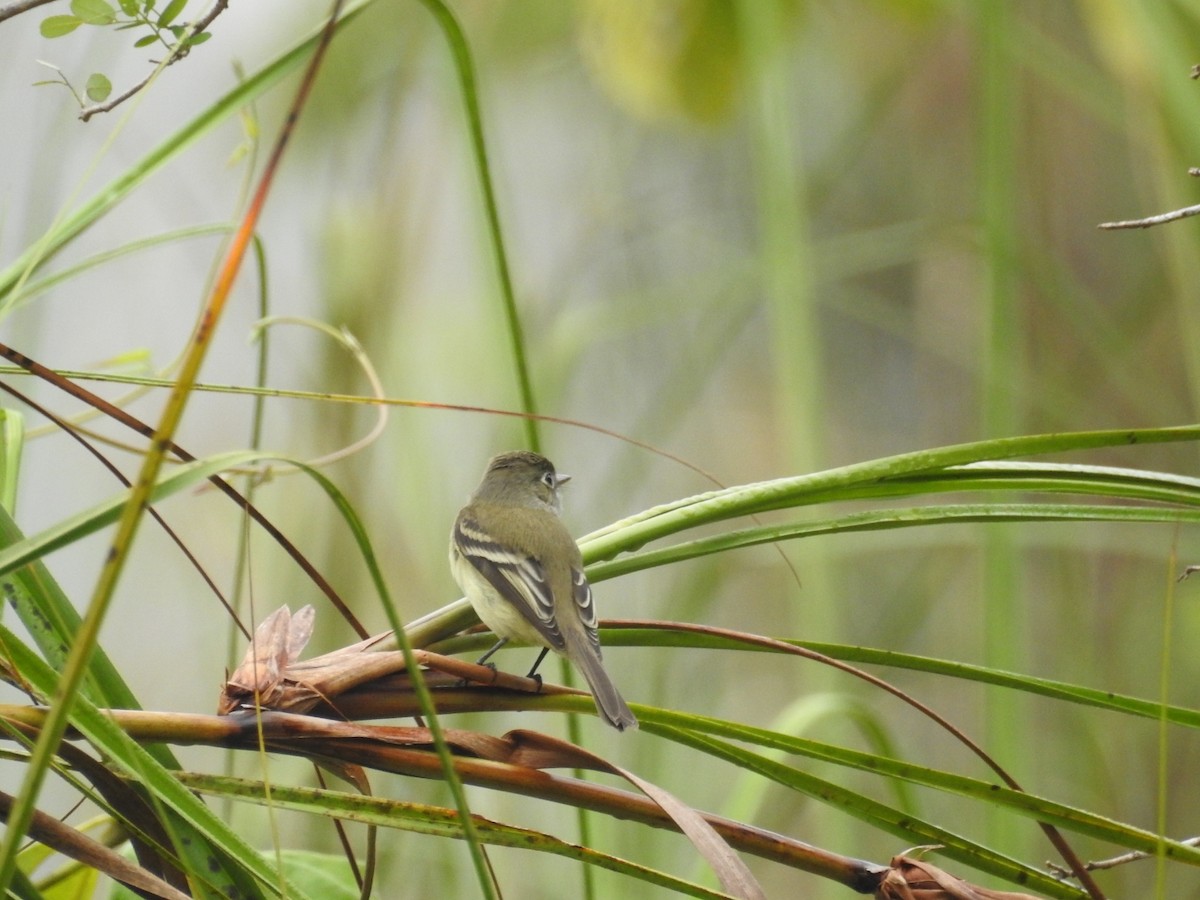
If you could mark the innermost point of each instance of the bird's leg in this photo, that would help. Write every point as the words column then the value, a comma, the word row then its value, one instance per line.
column 483, row 660
column 533, row 672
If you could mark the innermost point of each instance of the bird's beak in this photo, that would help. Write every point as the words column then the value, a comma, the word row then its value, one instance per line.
column 560, row 480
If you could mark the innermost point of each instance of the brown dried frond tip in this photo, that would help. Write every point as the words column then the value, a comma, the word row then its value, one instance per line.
column 914, row 879
column 272, row 676
column 277, row 643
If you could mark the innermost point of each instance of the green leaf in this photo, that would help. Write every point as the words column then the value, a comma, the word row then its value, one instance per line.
column 321, row 874
column 73, row 882
column 94, row 12
column 98, row 87
column 145, row 41
column 130, row 7
column 200, row 38
column 12, row 442
column 325, row 876
column 57, row 26
column 171, row 13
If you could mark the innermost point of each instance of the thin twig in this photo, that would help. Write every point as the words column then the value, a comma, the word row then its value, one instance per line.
column 88, row 111
column 218, row 8
column 1161, row 218
column 182, row 48
column 1112, row 862
column 1149, row 221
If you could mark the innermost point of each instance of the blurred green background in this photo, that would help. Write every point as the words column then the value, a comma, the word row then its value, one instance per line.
column 767, row 237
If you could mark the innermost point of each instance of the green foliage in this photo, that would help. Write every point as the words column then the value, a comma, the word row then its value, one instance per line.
column 57, row 26
column 171, row 13
column 98, row 87
column 94, row 12
column 176, row 39
column 131, row 14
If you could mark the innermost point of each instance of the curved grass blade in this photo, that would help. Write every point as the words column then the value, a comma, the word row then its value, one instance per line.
column 636, row 531
column 649, row 633
column 465, row 69
column 875, row 520
column 429, row 820
column 1024, row 804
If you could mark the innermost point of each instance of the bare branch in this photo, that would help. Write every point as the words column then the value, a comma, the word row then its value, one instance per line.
column 8, row 10
column 1113, row 862
column 1161, row 218
column 218, row 8
column 1149, row 221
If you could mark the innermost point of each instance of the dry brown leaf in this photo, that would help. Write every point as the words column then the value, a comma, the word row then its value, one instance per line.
column 271, row 675
column 915, row 879
column 531, row 748
column 277, row 643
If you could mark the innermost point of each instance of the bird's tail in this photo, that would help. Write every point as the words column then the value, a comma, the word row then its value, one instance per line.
column 612, row 706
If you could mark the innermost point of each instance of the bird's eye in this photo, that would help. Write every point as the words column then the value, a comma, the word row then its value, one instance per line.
column 549, row 480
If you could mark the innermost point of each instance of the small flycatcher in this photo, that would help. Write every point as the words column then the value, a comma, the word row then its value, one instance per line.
column 522, row 571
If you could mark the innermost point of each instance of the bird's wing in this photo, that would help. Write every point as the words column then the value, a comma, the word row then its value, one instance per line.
column 582, row 592
column 518, row 578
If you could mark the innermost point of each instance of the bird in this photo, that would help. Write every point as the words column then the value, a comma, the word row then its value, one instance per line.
column 517, row 563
